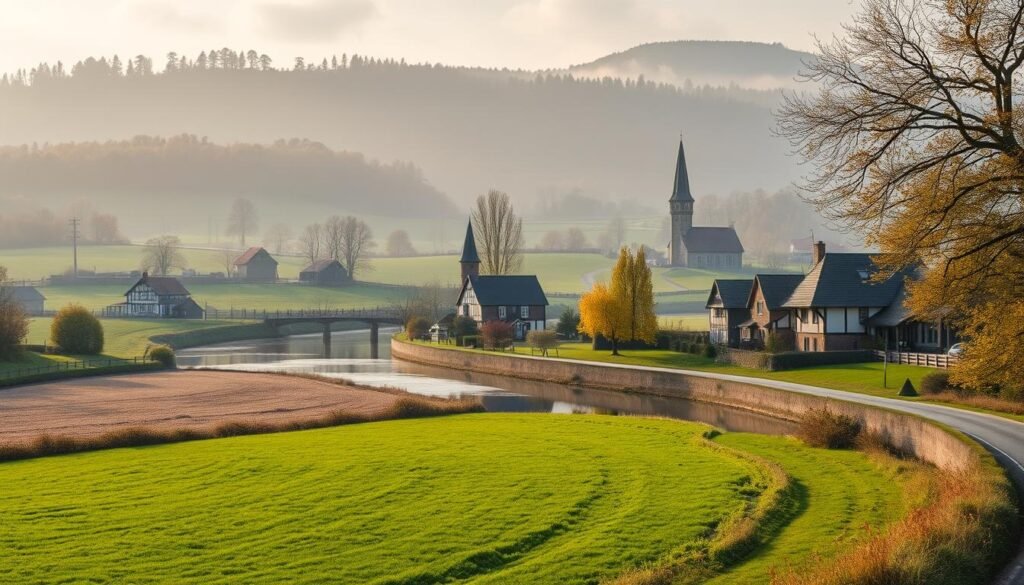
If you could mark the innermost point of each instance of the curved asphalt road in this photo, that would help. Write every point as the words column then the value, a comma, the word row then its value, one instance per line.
column 1004, row 438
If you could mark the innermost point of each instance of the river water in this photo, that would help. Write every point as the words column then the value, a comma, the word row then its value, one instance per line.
column 350, row 360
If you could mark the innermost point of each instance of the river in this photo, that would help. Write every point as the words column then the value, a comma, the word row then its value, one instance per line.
column 350, row 360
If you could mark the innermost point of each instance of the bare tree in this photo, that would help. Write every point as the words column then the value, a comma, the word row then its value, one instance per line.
column 242, row 220
column 431, row 300
column 616, row 232
column 331, row 238
column 499, row 233
column 356, row 243
column 162, row 254
column 553, row 241
column 311, row 242
column 399, row 244
column 277, row 237
column 104, row 228
column 575, row 240
column 227, row 258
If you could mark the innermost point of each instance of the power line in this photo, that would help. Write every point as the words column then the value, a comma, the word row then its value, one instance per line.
column 74, row 222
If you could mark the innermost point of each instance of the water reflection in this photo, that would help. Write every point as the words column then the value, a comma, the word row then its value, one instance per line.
column 350, row 360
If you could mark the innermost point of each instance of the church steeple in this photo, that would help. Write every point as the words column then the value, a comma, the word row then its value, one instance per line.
column 470, row 261
column 681, row 188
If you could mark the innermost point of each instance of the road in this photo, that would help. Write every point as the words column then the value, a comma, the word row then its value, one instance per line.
column 1002, row 437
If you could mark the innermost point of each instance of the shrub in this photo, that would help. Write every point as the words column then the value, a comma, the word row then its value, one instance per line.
column 496, row 334
column 935, row 383
column 908, row 389
column 824, row 428
column 471, row 341
column 13, row 327
column 568, row 324
column 77, row 331
column 462, row 327
column 542, row 340
column 417, row 327
column 710, row 351
column 163, row 355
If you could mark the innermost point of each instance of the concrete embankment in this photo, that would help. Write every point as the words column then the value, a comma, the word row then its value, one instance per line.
column 910, row 434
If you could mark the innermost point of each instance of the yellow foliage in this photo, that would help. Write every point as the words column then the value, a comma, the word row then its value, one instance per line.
column 601, row 313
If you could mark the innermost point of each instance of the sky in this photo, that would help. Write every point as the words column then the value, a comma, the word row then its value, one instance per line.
column 527, row 34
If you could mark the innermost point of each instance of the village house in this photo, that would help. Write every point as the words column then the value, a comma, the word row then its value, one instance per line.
column 727, row 308
column 515, row 299
column 327, row 272
column 716, row 248
column 256, row 265
column 28, row 298
column 157, row 296
column 768, row 294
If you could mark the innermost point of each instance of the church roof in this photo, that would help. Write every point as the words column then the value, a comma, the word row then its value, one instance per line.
column 469, row 246
column 703, row 240
column 681, row 188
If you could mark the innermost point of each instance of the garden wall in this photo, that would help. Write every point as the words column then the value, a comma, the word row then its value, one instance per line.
column 774, row 362
column 909, row 434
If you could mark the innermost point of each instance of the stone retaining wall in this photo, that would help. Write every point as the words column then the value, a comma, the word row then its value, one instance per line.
column 909, row 434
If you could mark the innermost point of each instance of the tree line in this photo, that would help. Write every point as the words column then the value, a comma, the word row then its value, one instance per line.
column 28, row 228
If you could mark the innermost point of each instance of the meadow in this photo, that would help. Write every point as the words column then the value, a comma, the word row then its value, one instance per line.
column 527, row 499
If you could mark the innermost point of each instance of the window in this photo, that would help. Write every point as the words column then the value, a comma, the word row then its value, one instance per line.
column 760, row 307
column 465, row 309
column 719, row 313
column 862, row 314
column 502, row 312
column 807, row 346
column 524, row 312
column 814, row 344
column 814, row 319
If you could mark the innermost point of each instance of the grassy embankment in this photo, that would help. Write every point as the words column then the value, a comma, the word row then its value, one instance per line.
column 387, row 502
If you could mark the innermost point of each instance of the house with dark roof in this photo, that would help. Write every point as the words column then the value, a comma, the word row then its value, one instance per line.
column 28, row 298
column 895, row 328
column 256, row 265
column 768, row 294
column 727, row 309
column 157, row 296
column 834, row 303
column 717, row 248
column 327, row 272
column 515, row 299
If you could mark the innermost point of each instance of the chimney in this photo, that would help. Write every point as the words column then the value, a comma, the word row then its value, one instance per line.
column 145, row 275
column 817, row 252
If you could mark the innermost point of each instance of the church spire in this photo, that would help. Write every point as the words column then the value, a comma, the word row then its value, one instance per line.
column 681, row 189
column 470, row 261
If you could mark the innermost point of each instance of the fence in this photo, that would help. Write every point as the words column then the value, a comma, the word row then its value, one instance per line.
column 931, row 360
column 375, row 314
column 74, row 365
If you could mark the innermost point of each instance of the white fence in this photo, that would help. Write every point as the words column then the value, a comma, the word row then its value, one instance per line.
column 931, row 360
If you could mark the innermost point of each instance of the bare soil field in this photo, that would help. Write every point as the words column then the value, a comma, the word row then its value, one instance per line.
column 184, row 399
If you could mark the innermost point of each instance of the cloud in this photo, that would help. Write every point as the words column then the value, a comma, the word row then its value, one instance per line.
column 167, row 15
column 318, row 20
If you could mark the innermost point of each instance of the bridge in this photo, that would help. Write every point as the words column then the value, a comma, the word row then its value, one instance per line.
column 325, row 317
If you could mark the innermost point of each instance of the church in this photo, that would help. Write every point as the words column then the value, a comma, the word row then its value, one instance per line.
column 715, row 248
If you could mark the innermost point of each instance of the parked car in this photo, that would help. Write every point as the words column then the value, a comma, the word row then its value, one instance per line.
column 956, row 350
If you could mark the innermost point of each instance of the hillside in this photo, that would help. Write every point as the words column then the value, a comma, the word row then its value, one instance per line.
column 756, row 66
column 469, row 130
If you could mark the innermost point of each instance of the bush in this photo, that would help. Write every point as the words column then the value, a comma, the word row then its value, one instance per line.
column 163, row 355
column 568, row 324
column 13, row 327
column 823, row 428
column 77, row 331
column 542, row 340
column 935, row 383
column 710, row 351
column 463, row 327
column 496, row 334
column 417, row 327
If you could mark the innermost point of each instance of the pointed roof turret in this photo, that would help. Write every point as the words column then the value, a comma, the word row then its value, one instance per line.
column 469, row 246
column 681, row 189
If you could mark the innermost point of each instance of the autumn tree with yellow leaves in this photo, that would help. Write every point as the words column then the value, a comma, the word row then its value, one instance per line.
column 914, row 137
column 625, row 310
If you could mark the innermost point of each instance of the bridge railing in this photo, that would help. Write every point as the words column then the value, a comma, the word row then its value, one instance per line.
column 242, row 314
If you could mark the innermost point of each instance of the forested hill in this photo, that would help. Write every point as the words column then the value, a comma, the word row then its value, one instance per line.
column 467, row 129
column 187, row 175
column 759, row 66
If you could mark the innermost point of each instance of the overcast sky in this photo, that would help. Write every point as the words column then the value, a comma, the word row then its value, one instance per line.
column 533, row 34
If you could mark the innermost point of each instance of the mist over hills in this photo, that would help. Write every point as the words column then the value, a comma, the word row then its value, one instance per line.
column 467, row 129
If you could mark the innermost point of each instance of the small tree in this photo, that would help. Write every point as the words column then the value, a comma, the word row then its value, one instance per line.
column 602, row 314
column 77, row 331
column 13, row 321
column 568, row 324
column 242, row 220
column 632, row 286
column 497, row 334
column 399, row 244
column 162, row 254
column 463, row 327
column 542, row 340
column 311, row 242
column 417, row 327
column 277, row 237
column 499, row 233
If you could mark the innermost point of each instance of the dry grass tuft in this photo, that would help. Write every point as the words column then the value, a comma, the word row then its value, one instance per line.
column 824, row 428
column 980, row 401
column 403, row 408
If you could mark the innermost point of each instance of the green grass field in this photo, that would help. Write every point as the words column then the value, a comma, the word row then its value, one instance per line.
column 490, row 498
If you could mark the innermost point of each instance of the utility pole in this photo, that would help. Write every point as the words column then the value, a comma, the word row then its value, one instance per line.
column 74, row 244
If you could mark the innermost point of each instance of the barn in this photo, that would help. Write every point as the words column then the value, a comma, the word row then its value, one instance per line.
column 325, row 273
column 256, row 265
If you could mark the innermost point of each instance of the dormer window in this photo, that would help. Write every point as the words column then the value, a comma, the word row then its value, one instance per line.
column 864, row 275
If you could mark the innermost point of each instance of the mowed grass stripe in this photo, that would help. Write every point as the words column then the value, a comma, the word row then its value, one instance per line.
column 484, row 498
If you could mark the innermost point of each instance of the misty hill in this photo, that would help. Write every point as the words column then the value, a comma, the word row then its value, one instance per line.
column 759, row 66
column 171, row 180
column 469, row 132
